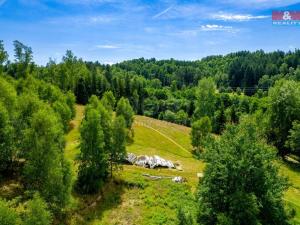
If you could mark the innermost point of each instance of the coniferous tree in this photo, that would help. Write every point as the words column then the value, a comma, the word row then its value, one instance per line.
column 219, row 120
column 135, row 101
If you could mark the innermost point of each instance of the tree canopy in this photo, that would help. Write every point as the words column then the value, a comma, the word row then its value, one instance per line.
column 241, row 185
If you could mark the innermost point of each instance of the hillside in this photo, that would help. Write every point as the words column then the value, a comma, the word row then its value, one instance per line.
column 133, row 198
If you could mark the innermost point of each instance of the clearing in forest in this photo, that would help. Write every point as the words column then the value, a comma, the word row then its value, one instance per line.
column 135, row 199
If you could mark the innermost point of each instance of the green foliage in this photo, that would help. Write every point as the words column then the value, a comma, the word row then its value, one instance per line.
column 70, row 100
column 8, row 215
column 169, row 116
column 241, row 185
column 182, row 118
column 3, row 56
column 27, row 105
column 284, row 110
column 37, row 212
column 220, row 120
column 64, row 113
column 46, row 170
column 200, row 132
column 6, row 141
column 63, row 104
column 36, row 107
column 294, row 138
column 23, row 55
column 93, row 158
column 206, row 98
column 8, row 95
column 118, row 150
column 124, row 109
column 108, row 101
column 183, row 218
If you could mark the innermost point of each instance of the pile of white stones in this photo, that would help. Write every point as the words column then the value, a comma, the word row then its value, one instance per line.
column 149, row 161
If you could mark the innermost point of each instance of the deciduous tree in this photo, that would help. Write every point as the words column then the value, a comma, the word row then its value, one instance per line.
column 92, row 158
column 6, row 140
column 37, row 212
column 3, row 56
column 118, row 150
column 108, row 100
column 284, row 110
column 23, row 55
column 46, row 169
column 294, row 138
column 124, row 109
column 206, row 98
column 241, row 184
column 8, row 215
column 200, row 131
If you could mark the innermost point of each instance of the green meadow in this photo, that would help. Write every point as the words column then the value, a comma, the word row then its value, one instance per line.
column 131, row 198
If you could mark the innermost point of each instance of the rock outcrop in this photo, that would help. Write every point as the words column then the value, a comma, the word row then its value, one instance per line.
column 149, row 161
column 179, row 179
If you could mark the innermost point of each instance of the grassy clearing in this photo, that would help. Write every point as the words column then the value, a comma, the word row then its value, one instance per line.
column 134, row 199
column 72, row 138
column 147, row 141
column 292, row 196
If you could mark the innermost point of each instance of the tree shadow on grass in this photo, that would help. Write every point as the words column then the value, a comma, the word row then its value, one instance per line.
column 292, row 164
column 94, row 207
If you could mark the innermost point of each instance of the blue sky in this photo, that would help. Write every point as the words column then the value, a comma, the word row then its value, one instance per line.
column 112, row 30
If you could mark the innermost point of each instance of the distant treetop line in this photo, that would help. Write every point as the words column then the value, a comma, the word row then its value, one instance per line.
column 163, row 89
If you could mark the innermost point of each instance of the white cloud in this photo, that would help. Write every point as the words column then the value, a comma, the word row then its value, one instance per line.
column 149, row 29
column 162, row 12
column 185, row 11
column 236, row 17
column 214, row 27
column 186, row 33
column 107, row 46
column 83, row 20
column 211, row 43
column 109, row 63
column 99, row 19
column 191, row 33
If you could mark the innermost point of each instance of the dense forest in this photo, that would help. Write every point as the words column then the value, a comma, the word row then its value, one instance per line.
column 251, row 100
